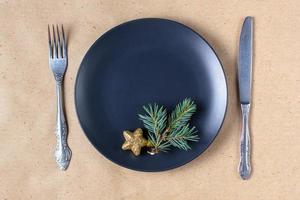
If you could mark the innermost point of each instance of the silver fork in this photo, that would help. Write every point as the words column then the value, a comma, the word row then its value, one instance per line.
column 58, row 60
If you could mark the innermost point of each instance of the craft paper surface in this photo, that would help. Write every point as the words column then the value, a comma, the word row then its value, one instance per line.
column 27, row 103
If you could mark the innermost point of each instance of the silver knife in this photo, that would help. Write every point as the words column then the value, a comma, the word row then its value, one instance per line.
column 245, row 82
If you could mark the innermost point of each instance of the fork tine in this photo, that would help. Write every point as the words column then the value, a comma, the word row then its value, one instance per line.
column 54, row 42
column 64, row 44
column 50, row 44
column 59, row 51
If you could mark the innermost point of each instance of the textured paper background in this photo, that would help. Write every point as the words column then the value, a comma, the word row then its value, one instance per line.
column 27, row 103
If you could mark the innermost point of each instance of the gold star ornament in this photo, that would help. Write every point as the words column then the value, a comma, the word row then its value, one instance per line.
column 134, row 141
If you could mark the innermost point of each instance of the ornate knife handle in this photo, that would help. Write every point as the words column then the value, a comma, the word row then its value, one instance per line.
column 62, row 152
column 244, row 166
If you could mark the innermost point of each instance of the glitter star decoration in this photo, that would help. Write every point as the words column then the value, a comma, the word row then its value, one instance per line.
column 134, row 141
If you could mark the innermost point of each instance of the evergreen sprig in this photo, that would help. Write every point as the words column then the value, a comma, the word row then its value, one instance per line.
column 179, row 137
column 155, row 122
column 182, row 114
column 174, row 131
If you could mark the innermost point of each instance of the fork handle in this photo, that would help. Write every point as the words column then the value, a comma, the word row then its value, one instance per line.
column 62, row 152
column 244, row 166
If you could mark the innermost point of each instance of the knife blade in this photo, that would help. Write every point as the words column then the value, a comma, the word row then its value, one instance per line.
column 245, row 82
column 245, row 61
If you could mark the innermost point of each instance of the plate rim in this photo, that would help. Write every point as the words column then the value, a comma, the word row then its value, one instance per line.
column 81, row 66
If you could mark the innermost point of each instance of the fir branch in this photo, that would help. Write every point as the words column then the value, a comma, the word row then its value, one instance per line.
column 179, row 137
column 155, row 118
column 155, row 121
column 182, row 114
column 174, row 131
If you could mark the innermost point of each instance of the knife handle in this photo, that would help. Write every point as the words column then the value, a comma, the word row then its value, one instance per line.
column 244, row 165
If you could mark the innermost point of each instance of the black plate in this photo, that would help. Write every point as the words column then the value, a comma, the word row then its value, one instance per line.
column 145, row 61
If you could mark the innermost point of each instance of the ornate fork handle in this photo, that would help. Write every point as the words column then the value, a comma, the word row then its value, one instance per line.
column 62, row 152
column 244, row 166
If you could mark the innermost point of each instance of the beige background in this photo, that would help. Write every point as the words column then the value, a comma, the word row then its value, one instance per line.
column 27, row 103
